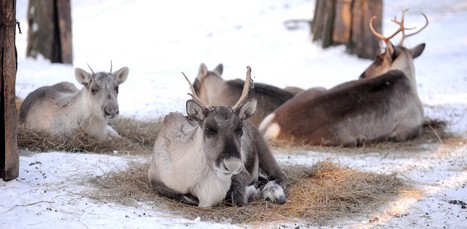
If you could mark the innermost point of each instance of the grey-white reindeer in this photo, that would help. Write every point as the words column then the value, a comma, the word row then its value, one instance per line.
column 214, row 154
column 382, row 105
column 63, row 109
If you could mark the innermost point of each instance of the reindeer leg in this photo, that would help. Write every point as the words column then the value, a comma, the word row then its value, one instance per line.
column 274, row 188
column 163, row 190
column 267, row 162
column 236, row 194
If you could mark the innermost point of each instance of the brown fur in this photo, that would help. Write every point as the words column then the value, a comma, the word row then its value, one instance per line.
column 383, row 105
column 216, row 91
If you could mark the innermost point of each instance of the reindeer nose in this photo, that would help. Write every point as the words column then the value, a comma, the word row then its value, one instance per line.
column 232, row 165
column 111, row 111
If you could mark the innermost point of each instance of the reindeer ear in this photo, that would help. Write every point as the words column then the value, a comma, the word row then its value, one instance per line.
column 390, row 51
column 203, row 71
column 219, row 69
column 247, row 109
column 83, row 77
column 417, row 50
column 121, row 75
column 195, row 111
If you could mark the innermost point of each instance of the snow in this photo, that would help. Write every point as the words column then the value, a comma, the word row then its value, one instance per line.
column 158, row 40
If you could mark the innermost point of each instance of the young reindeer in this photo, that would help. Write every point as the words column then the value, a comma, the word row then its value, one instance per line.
column 63, row 109
column 216, row 91
column 213, row 154
column 382, row 105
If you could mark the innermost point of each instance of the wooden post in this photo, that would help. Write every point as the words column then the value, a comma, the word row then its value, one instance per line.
column 9, row 157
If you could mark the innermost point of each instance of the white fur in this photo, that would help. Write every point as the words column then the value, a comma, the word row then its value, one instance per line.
column 180, row 163
column 273, row 192
column 268, row 128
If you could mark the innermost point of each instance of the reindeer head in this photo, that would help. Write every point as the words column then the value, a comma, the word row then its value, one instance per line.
column 222, row 128
column 395, row 57
column 101, row 89
column 201, row 81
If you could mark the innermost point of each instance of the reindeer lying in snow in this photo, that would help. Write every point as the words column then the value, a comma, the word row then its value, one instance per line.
column 63, row 109
column 382, row 105
column 216, row 91
column 213, row 154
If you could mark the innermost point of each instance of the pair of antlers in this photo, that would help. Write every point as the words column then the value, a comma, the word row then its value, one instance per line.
column 241, row 100
column 93, row 70
column 402, row 29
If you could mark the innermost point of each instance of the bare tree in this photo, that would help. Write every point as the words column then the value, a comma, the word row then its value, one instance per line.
column 347, row 22
column 50, row 30
column 9, row 157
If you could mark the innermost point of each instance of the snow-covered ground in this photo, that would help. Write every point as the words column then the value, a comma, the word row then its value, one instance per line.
column 158, row 40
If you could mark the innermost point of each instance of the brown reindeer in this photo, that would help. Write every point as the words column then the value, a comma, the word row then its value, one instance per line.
column 63, row 109
column 213, row 154
column 382, row 105
column 216, row 91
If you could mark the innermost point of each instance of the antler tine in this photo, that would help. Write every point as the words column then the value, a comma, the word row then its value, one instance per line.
column 379, row 35
column 90, row 68
column 246, row 89
column 195, row 96
column 110, row 66
column 404, row 36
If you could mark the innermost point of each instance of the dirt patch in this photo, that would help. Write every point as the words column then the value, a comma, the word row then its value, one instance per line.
column 316, row 195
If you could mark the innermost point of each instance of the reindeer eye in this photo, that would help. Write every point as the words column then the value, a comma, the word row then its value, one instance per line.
column 239, row 130
column 116, row 89
column 210, row 132
column 94, row 91
column 379, row 59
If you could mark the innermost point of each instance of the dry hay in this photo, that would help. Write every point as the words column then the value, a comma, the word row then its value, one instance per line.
column 137, row 137
column 433, row 132
column 316, row 195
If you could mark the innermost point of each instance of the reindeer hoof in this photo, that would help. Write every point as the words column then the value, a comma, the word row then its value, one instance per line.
column 273, row 192
column 189, row 199
column 251, row 193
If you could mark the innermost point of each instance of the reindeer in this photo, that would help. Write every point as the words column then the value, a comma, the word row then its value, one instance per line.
column 216, row 91
column 214, row 154
column 63, row 109
column 382, row 105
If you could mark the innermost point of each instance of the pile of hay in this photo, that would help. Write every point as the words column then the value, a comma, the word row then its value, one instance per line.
column 316, row 195
column 137, row 137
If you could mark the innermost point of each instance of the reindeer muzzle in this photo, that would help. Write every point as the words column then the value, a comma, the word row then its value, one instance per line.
column 111, row 111
column 230, row 166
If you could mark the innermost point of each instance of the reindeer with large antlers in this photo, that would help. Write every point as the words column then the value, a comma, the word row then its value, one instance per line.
column 213, row 154
column 382, row 105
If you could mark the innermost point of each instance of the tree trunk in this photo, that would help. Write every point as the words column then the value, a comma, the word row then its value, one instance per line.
column 50, row 30
column 9, row 157
column 345, row 22
column 363, row 42
column 323, row 22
